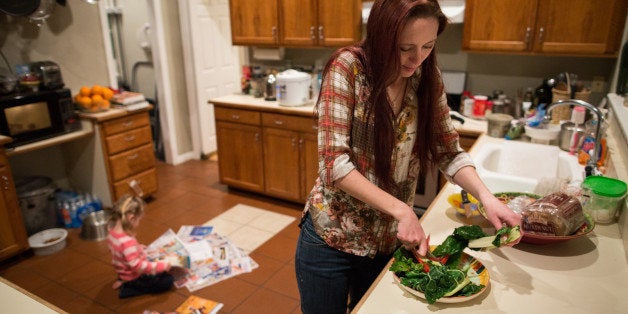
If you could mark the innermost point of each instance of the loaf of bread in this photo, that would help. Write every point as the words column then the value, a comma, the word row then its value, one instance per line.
column 556, row 214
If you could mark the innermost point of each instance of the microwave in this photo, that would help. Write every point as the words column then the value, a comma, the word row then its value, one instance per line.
column 34, row 116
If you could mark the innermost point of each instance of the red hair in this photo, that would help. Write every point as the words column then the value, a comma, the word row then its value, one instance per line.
column 380, row 54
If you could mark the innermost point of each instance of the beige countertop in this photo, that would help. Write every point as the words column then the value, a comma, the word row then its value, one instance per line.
column 14, row 299
column 584, row 275
column 249, row 102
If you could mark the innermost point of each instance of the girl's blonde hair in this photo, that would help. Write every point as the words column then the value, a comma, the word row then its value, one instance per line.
column 127, row 205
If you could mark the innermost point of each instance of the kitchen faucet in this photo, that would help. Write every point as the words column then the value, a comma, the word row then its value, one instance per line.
column 591, row 167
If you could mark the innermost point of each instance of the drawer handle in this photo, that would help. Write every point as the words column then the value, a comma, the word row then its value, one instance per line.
column 278, row 122
column 128, row 123
column 130, row 138
column 132, row 157
column 235, row 116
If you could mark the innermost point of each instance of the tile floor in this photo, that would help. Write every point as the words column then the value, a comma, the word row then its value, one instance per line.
column 78, row 279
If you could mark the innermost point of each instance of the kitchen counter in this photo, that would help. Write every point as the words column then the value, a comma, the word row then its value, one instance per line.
column 14, row 299
column 584, row 275
column 240, row 101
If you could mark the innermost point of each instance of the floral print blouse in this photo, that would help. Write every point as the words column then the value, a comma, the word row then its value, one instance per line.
column 345, row 143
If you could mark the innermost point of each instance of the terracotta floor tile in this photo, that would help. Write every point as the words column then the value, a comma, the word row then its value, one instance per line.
column 231, row 292
column 58, row 264
column 266, row 301
column 267, row 268
column 104, row 294
column 82, row 305
column 163, row 302
column 56, row 294
column 24, row 278
column 279, row 247
column 284, row 281
column 93, row 274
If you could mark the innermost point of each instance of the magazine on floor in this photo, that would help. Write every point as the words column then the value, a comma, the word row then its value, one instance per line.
column 206, row 256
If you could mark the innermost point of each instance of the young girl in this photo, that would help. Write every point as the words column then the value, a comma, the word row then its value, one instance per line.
column 136, row 274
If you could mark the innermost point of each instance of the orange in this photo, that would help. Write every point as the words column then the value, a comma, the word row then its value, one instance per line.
column 96, row 99
column 97, row 90
column 105, row 104
column 107, row 93
column 84, row 101
column 85, row 91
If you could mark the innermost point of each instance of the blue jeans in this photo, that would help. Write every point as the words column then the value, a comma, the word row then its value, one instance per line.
column 329, row 280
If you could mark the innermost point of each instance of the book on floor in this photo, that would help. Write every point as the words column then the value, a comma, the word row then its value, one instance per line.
column 198, row 305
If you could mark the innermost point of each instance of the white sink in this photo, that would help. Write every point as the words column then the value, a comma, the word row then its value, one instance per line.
column 513, row 166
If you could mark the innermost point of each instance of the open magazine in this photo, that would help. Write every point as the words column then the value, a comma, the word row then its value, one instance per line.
column 206, row 256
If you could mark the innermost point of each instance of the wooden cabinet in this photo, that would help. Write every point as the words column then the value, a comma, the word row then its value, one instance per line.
column 13, row 238
column 267, row 152
column 561, row 27
column 296, row 23
column 289, row 168
column 240, row 154
column 129, row 155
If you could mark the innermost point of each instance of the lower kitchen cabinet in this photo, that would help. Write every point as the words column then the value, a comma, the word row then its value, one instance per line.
column 13, row 237
column 267, row 152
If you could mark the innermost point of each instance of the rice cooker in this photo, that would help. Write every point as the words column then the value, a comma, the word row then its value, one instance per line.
column 293, row 88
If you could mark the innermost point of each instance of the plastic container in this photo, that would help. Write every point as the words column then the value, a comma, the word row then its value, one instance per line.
column 604, row 197
column 293, row 88
column 498, row 124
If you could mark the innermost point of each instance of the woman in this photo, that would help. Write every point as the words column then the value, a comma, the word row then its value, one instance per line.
column 382, row 117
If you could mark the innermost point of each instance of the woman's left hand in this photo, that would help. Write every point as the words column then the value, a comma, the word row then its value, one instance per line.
column 499, row 214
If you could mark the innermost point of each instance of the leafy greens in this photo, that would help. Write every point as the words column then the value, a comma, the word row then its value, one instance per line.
column 443, row 277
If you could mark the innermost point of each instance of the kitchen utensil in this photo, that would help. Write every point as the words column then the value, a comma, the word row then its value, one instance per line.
column 94, row 227
column 270, row 92
column 293, row 88
column 48, row 241
column 468, row 210
column 43, row 11
column 455, row 200
column 568, row 133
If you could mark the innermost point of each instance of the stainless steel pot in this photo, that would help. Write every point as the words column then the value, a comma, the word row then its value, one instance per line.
column 567, row 130
column 94, row 226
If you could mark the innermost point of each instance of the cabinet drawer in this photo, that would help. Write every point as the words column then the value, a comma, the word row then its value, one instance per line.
column 123, row 141
column 146, row 180
column 125, row 123
column 131, row 162
column 237, row 115
column 282, row 121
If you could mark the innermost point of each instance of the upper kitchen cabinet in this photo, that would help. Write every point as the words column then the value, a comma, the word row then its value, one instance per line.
column 296, row 23
column 561, row 27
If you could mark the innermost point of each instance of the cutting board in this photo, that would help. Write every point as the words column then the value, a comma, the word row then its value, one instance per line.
column 528, row 160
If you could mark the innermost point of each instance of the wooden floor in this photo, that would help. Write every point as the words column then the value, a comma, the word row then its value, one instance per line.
column 78, row 279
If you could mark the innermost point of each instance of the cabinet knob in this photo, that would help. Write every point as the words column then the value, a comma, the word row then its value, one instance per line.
column 130, row 138
column 273, row 30
column 321, row 36
column 132, row 157
column 128, row 123
column 313, row 33
column 257, row 137
column 527, row 37
column 541, row 33
column 235, row 116
column 278, row 122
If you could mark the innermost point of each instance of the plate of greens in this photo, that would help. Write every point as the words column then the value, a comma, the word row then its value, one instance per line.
column 449, row 275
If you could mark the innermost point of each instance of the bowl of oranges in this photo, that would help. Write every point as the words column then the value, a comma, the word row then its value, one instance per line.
column 93, row 99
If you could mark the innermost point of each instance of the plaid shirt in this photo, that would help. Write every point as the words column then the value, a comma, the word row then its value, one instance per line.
column 345, row 143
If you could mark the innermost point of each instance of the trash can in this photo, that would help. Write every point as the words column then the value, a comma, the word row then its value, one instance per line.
column 37, row 202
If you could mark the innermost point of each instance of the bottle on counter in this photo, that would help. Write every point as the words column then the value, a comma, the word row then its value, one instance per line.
column 466, row 103
column 527, row 102
column 543, row 93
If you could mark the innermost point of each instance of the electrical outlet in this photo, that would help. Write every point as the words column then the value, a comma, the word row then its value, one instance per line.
column 597, row 86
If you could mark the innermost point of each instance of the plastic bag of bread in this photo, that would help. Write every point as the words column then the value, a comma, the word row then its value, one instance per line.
column 556, row 214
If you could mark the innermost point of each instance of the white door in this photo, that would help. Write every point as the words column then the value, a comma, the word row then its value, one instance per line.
column 212, row 64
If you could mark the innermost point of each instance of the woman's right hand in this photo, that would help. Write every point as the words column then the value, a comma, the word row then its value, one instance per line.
column 411, row 234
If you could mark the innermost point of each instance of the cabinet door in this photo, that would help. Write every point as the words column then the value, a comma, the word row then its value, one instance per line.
column 299, row 25
column 339, row 22
column 253, row 22
column 503, row 25
column 309, row 162
column 281, row 163
column 580, row 26
column 12, row 230
column 240, row 155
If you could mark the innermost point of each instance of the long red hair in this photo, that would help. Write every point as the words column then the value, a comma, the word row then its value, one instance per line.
column 379, row 53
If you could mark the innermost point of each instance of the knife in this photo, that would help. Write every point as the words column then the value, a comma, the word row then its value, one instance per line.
column 466, row 205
